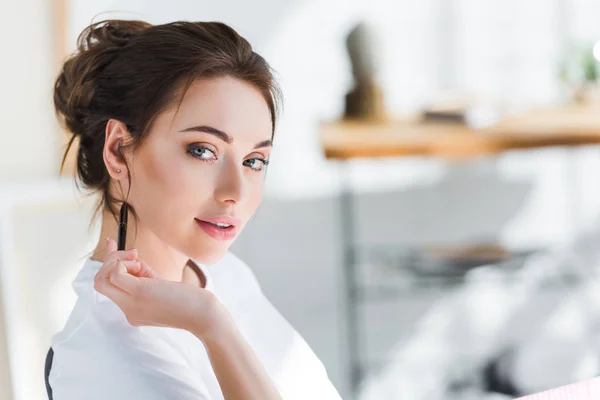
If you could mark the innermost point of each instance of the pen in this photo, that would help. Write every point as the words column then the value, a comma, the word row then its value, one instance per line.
column 122, row 231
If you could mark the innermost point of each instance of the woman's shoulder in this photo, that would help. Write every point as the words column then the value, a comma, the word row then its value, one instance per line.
column 97, row 329
column 101, row 355
column 98, row 354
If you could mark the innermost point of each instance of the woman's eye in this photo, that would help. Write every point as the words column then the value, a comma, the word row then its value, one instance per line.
column 205, row 154
column 201, row 152
column 256, row 164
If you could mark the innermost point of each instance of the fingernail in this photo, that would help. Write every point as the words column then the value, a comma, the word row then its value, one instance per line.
column 107, row 239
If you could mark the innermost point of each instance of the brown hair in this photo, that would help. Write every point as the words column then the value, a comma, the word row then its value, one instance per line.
column 132, row 70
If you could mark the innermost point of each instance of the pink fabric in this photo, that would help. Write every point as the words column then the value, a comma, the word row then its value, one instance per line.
column 586, row 390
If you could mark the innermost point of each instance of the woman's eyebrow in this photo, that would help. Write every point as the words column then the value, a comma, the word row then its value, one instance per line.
column 209, row 129
column 264, row 143
column 222, row 135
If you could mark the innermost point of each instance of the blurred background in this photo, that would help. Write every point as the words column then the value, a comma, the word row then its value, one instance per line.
column 431, row 223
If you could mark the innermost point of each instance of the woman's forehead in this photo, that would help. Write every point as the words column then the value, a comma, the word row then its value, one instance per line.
column 228, row 104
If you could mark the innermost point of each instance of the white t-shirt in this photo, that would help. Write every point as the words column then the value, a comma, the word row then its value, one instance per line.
column 100, row 356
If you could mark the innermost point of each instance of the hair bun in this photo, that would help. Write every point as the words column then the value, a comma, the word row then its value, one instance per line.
column 97, row 46
column 109, row 33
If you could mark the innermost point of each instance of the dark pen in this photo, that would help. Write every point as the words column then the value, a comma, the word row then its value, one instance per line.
column 122, row 231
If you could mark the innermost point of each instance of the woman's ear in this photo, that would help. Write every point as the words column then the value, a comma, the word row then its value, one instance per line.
column 116, row 135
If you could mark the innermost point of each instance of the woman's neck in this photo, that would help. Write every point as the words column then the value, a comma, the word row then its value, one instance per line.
column 163, row 259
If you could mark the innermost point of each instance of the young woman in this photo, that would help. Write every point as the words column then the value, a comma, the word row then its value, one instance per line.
column 175, row 121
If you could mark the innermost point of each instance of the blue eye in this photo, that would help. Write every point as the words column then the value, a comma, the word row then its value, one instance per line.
column 256, row 164
column 202, row 153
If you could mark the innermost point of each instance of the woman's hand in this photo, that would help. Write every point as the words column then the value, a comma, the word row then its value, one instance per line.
column 147, row 299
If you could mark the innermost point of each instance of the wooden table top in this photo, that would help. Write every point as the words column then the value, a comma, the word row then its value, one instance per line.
column 572, row 125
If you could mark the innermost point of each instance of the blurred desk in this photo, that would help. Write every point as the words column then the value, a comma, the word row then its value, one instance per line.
column 567, row 126
column 561, row 126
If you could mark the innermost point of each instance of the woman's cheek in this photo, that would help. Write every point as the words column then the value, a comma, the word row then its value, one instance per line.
column 256, row 194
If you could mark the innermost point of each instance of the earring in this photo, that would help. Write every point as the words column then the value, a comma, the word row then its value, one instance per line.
column 119, row 171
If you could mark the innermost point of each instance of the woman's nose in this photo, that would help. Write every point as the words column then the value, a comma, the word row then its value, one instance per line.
column 230, row 184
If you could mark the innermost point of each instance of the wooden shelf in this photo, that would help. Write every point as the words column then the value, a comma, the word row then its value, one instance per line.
column 562, row 126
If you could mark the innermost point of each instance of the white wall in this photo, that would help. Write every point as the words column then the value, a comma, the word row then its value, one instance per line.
column 44, row 238
column 29, row 141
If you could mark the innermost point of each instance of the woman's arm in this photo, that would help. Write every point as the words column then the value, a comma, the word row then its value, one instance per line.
column 240, row 374
column 147, row 299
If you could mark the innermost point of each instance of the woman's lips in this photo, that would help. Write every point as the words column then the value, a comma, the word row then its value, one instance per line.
column 217, row 232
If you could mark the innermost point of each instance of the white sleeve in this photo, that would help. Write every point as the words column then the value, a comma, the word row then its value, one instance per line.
column 120, row 363
column 160, row 379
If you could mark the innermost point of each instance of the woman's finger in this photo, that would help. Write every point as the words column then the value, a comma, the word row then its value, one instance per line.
column 103, row 286
column 112, row 253
column 103, row 273
column 111, row 247
column 121, row 278
column 117, row 295
column 146, row 271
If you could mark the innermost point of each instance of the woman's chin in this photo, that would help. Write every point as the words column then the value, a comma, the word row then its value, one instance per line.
column 211, row 256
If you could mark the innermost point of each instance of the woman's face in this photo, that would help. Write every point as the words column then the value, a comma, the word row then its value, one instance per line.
column 202, row 166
